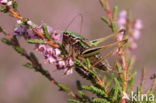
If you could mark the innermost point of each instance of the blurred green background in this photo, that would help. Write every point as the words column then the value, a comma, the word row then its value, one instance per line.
column 20, row 85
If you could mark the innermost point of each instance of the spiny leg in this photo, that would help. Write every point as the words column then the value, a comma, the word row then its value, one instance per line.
column 108, row 54
column 96, row 50
column 71, row 54
column 104, row 57
column 96, row 42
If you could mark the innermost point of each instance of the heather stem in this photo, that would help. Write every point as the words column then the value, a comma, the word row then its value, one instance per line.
column 121, row 51
column 38, row 67
column 17, row 15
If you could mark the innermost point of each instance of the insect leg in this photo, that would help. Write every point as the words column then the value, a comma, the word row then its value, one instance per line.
column 96, row 42
column 115, row 61
column 96, row 50
column 104, row 57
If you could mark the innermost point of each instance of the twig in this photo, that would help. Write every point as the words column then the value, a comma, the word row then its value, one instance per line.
column 121, row 51
column 17, row 16
column 143, row 79
column 38, row 67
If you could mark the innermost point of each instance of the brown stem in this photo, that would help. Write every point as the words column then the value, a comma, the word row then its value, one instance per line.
column 108, row 11
column 36, row 64
column 121, row 51
column 16, row 15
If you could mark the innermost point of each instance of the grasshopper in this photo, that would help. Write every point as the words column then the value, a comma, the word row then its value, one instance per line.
column 80, row 48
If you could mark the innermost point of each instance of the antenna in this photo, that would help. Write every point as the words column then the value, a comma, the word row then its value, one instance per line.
column 81, row 23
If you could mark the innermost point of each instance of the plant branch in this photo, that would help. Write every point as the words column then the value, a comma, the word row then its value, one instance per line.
column 17, row 16
column 37, row 66
column 121, row 50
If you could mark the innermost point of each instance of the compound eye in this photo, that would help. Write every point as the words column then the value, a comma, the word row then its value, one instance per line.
column 73, row 38
column 65, row 34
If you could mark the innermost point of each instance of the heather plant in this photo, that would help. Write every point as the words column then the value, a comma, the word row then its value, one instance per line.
column 69, row 51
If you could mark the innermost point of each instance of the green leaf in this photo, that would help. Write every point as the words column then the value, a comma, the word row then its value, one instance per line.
column 114, row 27
column 4, row 10
column 64, row 88
column 148, row 91
column 73, row 101
column 98, row 92
column 61, row 47
column 133, row 75
column 139, row 93
column 34, row 57
column 99, row 100
column 131, row 63
column 78, row 83
column 6, row 41
column 82, row 95
column 116, row 92
column 102, row 3
column 14, row 5
column 109, row 80
column 19, row 50
column 28, row 65
column 105, row 20
column 93, row 73
column 138, row 90
column 119, row 67
column 112, row 94
column 154, row 93
column 45, row 30
column 79, row 63
column 117, row 84
column 88, row 62
column 115, row 12
column 15, row 39
column 131, row 82
column 36, row 41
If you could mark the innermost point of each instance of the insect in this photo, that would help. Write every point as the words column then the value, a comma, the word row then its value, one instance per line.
column 80, row 48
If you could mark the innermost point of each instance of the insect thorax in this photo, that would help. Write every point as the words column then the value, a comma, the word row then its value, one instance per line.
column 74, row 42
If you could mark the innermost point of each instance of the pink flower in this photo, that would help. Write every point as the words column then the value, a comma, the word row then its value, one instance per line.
column 31, row 34
column 19, row 22
column 57, row 36
column 48, row 28
column 133, row 44
column 121, row 21
column 29, row 22
column 120, row 36
column 123, row 13
column 3, row 1
column 51, row 60
column 41, row 48
column 136, row 34
column 61, row 64
column 49, row 51
column 70, row 62
column 68, row 71
column 19, row 31
column 57, row 52
column 138, row 24
column 9, row 3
